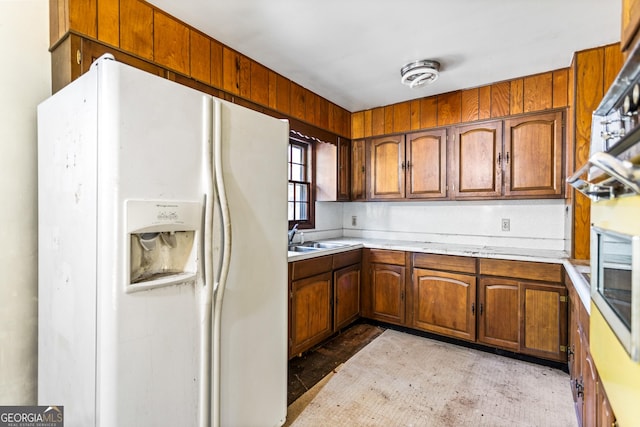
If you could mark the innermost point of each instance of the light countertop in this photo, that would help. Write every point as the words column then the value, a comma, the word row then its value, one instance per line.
column 518, row 254
column 580, row 283
column 574, row 269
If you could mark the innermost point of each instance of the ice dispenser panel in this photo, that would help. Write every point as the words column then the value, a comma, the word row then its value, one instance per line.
column 162, row 243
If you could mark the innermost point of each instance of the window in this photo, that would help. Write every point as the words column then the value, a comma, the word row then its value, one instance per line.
column 300, row 203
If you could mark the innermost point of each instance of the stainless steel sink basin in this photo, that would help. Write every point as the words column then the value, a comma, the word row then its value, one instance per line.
column 323, row 245
column 298, row 248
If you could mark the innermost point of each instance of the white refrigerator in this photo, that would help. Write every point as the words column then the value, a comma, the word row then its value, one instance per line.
column 161, row 254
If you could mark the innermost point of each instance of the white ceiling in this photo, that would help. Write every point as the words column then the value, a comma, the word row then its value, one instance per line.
column 351, row 51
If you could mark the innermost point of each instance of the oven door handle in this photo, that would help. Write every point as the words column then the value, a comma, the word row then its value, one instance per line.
column 621, row 171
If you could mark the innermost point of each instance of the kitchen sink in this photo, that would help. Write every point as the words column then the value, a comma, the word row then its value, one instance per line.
column 298, row 248
column 314, row 246
column 322, row 245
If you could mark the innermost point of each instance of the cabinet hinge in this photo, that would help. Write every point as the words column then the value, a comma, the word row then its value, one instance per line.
column 564, row 298
column 563, row 348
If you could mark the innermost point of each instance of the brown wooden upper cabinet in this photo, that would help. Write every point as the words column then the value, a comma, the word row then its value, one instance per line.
column 525, row 163
column 386, row 173
column 630, row 24
column 409, row 166
column 477, row 158
column 518, row 157
column 344, row 169
column 426, row 164
column 358, row 169
column 533, row 155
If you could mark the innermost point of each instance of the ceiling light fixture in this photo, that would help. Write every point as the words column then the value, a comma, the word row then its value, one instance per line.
column 419, row 73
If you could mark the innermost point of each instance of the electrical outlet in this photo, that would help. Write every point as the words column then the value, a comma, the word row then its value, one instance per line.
column 506, row 224
column 354, row 221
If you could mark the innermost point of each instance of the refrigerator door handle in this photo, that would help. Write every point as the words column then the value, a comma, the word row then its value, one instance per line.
column 226, row 257
column 207, row 265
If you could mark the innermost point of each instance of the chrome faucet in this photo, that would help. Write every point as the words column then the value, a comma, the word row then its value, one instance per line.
column 292, row 233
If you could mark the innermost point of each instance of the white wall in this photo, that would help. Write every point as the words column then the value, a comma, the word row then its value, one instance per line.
column 535, row 224
column 25, row 76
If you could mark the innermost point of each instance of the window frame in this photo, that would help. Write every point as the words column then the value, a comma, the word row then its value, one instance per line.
column 309, row 223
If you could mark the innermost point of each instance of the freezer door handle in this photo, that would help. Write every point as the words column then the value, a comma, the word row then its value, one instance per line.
column 207, row 266
column 219, row 287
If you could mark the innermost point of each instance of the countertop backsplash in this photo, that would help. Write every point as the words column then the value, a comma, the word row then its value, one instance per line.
column 534, row 224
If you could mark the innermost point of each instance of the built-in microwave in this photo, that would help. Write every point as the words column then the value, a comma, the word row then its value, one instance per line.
column 615, row 284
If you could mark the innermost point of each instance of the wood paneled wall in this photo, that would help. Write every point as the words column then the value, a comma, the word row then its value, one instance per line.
column 141, row 30
column 593, row 71
column 528, row 94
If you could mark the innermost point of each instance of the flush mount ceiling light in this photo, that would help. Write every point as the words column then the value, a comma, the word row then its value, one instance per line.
column 419, row 73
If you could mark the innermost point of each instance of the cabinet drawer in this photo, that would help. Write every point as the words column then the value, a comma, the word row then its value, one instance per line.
column 383, row 256
column 521, row 269
column 445, row 262
column 310, row 267
column 346, row 258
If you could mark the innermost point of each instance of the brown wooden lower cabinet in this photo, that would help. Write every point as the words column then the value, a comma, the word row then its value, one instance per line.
column 324, row 296
column 525, row 317
column 589, row 381
column 444, row 303
column 533, row 293
column 589, row 396
column 346, row 296
column 388, row 293
column 499, row 313
column 604, row 415
column 544, row 320
column 383, row 294
column 514, row 305
column 310, row 311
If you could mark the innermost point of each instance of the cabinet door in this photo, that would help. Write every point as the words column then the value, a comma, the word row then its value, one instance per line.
column 577, row 386
column 310, row 312
column 544, row 312
column 477, row 160
column 387, row 167
column 630, row 23
column 358, row 170
column 533, row 155
column 499, row 313
column 426, row 164
column 387, row 293
column 346, row 296
column 573, row 346
column 589, row 381
column 604, row 416
column 444, row 303
column 344, row 169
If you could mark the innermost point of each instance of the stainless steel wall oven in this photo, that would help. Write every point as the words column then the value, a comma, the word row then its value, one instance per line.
column 615, row 281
